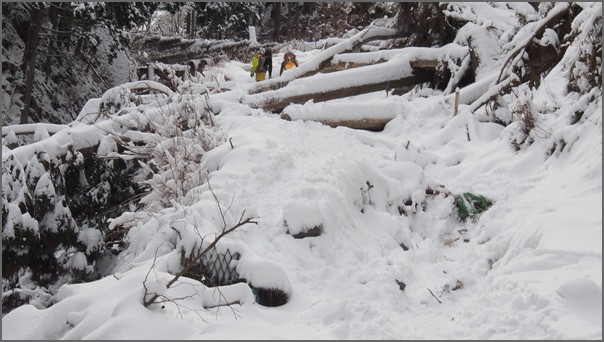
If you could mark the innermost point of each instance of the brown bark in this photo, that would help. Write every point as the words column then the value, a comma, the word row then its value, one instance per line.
column 374, row 125
column 277, row 20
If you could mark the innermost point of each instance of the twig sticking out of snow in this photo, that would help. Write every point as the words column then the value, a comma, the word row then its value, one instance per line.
column 434, row 295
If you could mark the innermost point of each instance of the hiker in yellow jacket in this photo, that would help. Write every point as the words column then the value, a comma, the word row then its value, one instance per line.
column 258, row 66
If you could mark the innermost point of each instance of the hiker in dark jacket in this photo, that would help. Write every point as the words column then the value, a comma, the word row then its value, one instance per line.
column 268, row 62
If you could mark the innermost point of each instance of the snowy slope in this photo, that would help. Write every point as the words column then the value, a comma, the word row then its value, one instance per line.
column 543, row 232
column 527, row 268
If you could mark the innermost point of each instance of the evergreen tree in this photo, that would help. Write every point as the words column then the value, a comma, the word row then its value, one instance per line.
column 228, row 20
column 54, row 217
column 115, row 18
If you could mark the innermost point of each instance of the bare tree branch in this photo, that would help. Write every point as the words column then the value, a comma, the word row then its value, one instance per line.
column 195, row 260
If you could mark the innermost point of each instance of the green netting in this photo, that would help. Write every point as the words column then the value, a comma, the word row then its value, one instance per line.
column 470, row 205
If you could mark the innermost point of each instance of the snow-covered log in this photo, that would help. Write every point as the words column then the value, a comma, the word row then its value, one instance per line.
column 421, row 57
column 420, row 64
column 276, row 101
column 398, row 71
column 32, row 128
column 86, row 132
column 359, row 115
column 324, row 58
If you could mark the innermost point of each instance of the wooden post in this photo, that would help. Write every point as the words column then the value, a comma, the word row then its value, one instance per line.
column 150, row 71
column 456, row 101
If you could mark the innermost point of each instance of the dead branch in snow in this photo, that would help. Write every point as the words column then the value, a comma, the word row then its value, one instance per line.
column 514, row 56
column 505, row 80
column 434, row 295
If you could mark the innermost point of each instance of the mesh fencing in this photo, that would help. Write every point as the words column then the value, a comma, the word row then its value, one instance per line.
column 215, row 269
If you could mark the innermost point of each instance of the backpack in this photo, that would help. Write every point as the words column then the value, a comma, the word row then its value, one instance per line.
column 260, row 66
column 290, row 64
column 255, row 63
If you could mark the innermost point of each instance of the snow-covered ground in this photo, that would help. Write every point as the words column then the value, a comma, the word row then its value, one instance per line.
column 527, row 268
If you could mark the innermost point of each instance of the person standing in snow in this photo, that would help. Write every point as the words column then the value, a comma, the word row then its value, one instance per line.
column 289, row 61
column 258, row 66
column 268, row 62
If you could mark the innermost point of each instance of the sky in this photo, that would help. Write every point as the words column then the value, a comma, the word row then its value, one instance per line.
column 393, row 260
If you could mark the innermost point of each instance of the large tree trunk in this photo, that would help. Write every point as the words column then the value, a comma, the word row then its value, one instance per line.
column 188, row 20
column 277, row 20
column 31, row 52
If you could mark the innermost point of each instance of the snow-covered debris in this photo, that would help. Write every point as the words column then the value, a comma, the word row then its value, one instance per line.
column 394, row 259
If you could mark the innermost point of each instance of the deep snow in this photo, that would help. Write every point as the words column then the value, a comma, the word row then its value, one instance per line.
column 528, row 268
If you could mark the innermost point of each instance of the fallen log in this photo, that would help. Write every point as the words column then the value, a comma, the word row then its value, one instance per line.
column 355, row 46
column 176, row 50
column 323, row 59
column 358, row 115
column 374, row 125
column 431, row 64
column 417, row 76
column 31, row 128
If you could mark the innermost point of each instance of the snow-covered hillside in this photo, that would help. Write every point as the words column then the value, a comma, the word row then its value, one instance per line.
column 388, row 256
